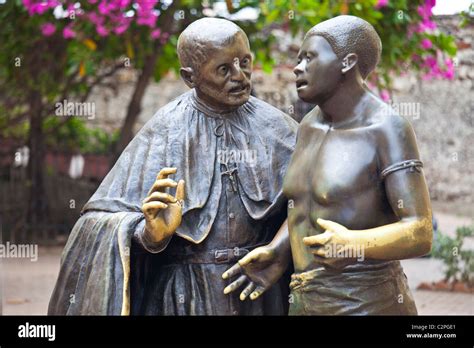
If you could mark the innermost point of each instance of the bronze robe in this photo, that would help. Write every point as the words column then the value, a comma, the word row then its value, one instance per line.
column 104, row 254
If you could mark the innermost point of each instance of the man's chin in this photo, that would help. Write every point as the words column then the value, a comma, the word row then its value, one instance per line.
column 236, row 99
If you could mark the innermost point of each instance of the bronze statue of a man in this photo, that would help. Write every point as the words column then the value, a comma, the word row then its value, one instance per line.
column 138, row 249
column 358, row 201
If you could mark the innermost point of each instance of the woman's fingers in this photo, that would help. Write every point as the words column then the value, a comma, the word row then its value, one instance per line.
column 319, row 252
column 330, row 225
column 319, row 239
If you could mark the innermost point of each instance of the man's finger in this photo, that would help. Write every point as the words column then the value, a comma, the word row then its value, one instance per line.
column 152, row 208
column 233, row 271
column 319, row 239
column 163, row 174
column 161, row 197
column 235, row 285
column 180, row 191
column 257, row 292
column 161, row 185
column 329, row 225
column 249, row 258
column 246, row 292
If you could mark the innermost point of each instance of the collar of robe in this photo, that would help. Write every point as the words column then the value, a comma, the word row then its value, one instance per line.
column 182, row 135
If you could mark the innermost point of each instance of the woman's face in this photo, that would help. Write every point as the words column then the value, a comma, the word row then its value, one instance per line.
column 318, row 72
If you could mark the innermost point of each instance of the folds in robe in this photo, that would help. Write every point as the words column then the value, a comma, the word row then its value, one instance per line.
column 95, row 266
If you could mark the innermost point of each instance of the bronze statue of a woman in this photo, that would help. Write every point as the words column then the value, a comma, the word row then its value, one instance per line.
column 358, row 200
column 358, row 197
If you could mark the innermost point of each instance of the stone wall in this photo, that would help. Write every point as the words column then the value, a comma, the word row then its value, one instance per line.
column 444, row 126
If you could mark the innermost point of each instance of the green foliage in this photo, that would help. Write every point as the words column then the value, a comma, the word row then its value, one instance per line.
column 394, row 22
column 168, row 60
column 58, row 68
column 75, row 136
column 468, row 16
column 459, row 261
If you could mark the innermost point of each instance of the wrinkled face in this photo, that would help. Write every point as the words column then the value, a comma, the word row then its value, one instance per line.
column 318, row 72
column 223, row 81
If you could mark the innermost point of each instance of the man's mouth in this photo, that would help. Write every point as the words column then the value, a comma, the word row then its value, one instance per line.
column 300, row 84
column 240, row 89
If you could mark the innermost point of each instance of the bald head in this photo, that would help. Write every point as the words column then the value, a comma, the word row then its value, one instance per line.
column 204, row 36
column 350, row 34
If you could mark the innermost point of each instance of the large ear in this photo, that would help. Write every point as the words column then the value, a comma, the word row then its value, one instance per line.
column 349, row 62
column 187, row 74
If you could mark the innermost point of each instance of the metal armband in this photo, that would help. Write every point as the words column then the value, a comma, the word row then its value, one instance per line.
column 412, row 165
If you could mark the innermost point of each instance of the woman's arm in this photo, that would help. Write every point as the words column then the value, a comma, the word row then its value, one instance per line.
column 407, row 194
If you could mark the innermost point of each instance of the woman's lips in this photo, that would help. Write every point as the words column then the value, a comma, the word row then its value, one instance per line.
column 301, row 84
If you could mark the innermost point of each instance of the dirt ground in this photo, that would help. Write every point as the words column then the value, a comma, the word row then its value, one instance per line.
column 27, row 286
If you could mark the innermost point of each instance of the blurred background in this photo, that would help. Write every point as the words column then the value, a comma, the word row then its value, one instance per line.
column 79, row 78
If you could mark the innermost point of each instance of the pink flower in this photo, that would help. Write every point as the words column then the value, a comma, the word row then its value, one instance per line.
column 121, row 29
column 149, row 21
column 104, row 8
column 426, row 25
column 425, row 12
column 385, row 95
column 95, row 18
column 449, row 73
column 101, row 30
column 48, row 29
column 39, row 7
column 381, row 3
column 155, row 34
column 426, row 44
column 68, row 33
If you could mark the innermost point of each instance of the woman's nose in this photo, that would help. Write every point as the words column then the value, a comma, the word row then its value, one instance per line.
column 299, row 68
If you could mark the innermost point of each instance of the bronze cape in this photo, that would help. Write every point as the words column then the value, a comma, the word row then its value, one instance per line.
column 100, row 259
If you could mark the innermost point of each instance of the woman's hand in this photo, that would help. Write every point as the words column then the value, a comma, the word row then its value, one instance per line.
column 335, row 247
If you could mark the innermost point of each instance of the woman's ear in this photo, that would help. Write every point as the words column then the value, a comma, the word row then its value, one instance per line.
column 349, row 62
column 187, row 74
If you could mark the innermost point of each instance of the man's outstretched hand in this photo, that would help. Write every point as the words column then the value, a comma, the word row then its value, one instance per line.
column 258, row 271
column 163, row 212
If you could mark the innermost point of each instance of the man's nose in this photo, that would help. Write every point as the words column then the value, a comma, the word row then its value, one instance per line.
column 237, row 74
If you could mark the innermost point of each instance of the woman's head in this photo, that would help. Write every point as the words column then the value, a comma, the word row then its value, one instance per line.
column 330, row 50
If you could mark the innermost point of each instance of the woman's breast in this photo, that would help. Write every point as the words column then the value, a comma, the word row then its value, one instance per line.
column 344, row 168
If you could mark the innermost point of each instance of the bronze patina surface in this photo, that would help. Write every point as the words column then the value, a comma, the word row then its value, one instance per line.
column 358, row 200
column 358, row 197
column 142, row 247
